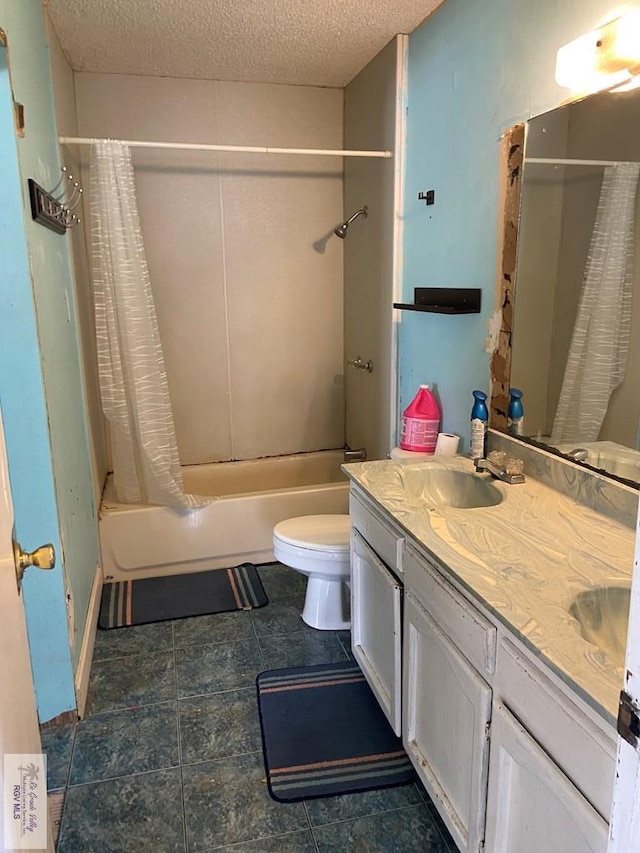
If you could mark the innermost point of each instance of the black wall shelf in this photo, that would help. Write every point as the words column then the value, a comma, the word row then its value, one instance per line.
column 444, row 300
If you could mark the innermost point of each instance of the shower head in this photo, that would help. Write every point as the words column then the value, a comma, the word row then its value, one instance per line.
column 341, row 230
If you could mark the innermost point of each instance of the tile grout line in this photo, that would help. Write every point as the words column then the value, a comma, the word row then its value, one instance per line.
column 175, row 681
column 179, row 735
column 166, row 651
column 239, row 844
column 253, row 626
column 132, row 775
column 216, row 692
column 184, row 811
column 138, row 706
column 135, row 654
column 223, row 758
column 368, row 814
column 72, row 751
column 313, row 835
column 112, row 779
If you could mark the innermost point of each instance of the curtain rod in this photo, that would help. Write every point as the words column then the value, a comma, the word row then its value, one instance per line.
column 561, row 162
column 245, row 149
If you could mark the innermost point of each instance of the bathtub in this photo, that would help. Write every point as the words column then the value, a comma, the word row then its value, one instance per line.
column 250, row 498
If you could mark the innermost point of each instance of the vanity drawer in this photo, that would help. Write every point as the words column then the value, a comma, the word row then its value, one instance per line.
column 386, row 541
column 474, row 635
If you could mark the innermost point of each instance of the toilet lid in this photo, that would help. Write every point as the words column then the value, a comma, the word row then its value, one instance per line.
column 316, row 532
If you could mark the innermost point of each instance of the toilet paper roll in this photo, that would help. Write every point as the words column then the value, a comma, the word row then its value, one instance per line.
column 447, row 444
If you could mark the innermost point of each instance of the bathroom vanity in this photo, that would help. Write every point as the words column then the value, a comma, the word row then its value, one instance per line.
column 462, row 594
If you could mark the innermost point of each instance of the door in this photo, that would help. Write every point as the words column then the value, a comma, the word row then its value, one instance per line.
column 446, row 710
column 532, row 806
column 19, row 731
column 376, row 628
column 374, row 118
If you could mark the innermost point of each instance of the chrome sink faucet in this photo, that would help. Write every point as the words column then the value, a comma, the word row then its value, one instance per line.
column 500, row 470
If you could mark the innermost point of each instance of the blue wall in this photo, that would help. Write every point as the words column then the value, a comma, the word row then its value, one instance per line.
column 40, row 380
column 475, row 69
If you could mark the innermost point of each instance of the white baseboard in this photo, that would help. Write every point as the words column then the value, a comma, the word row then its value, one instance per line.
column 88, row 641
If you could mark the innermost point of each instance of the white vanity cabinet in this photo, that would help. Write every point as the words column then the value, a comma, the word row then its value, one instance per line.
column 449, row 651
column 376, row 605
column 533, row 806
column 552, row 763
column 514, row 760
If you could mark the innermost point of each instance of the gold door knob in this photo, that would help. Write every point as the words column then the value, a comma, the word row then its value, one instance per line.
column 43, row 557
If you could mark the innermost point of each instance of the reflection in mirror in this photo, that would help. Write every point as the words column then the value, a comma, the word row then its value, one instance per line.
column 576, row 326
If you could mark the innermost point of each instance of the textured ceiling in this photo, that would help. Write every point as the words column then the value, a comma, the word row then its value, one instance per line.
column 307, row 42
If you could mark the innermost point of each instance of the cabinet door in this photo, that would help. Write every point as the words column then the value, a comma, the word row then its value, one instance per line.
column 376, row 602
column 532, row 806
column 447, row 709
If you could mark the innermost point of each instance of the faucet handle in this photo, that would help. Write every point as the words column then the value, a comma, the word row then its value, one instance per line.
column 497, row 458
column 514, row 465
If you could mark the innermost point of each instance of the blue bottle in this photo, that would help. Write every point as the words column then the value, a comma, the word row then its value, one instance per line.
column 515, row 412
column 479, row 425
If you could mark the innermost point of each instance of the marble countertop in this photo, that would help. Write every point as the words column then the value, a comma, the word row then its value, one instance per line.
column 524, row 560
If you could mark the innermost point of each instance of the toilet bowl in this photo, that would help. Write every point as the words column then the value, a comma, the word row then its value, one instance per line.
column 318, row 546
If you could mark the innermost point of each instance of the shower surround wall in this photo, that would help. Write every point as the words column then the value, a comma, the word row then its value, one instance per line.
column 247, row 282
column 374, row 118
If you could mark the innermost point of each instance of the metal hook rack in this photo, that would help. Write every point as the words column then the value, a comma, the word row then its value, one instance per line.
column 56, row 211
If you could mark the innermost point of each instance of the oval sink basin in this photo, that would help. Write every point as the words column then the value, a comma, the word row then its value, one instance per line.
column 450, row 488
column 602, row 615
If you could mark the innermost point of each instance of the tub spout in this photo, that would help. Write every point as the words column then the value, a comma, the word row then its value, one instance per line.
column 355, row 455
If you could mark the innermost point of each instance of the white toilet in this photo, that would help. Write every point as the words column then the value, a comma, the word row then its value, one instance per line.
column 318, row 546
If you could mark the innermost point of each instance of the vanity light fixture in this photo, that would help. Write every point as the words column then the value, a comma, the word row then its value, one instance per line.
column 606, row 58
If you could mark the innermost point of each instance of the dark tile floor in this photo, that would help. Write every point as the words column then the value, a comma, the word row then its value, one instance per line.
column 169, row 757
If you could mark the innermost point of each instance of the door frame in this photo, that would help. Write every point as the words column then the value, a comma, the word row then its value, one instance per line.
column 624, row 826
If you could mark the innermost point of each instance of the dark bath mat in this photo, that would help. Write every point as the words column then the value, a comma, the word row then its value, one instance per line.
column 324, row 734
column 178, row 596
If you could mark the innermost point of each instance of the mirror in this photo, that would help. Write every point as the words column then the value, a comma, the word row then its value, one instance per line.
column 575, row 342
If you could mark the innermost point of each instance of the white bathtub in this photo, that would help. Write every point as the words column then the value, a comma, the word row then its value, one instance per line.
column 250, row 498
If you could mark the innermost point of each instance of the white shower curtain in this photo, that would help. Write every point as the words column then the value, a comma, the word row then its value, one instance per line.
column 133, row 381
column 600, row 342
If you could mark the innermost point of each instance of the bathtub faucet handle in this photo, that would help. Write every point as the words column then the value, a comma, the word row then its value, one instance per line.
column 359, row 364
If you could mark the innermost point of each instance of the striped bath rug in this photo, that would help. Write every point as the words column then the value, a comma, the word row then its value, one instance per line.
column 324, row 734
column 178, row 596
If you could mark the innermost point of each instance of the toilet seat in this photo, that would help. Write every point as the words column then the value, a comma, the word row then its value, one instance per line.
column 327, row 533
column 317, row 544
